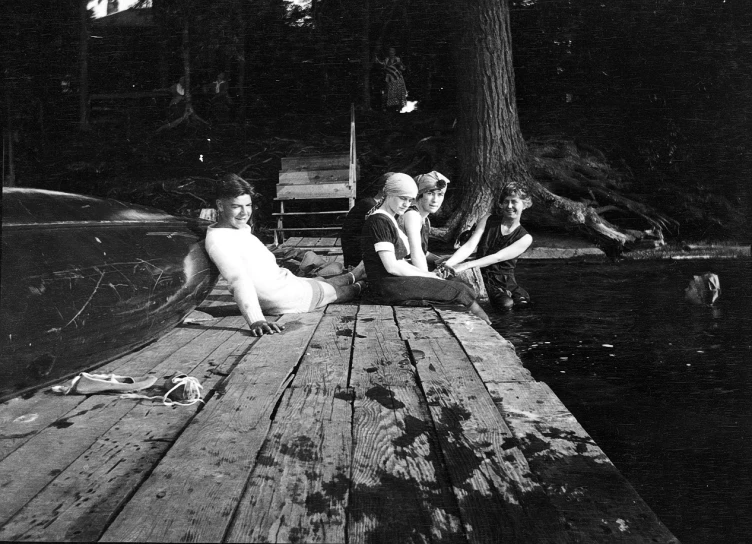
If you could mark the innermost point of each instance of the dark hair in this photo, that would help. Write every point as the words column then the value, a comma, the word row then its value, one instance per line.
column 375, row 188
column 233, row 186
column 378, row 185
column 440, row 186
column 514, row 189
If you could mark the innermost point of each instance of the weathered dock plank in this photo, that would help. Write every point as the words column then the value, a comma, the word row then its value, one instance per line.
column 83, row 498
column 22, row 418
column 77, row 504
column 499, row 500
column 30, row 468
column 38, row 459
column 592, row 497
column 196, row 487
column 363, row 424
column 492, row 356
column 399, row 491
column 298, row 489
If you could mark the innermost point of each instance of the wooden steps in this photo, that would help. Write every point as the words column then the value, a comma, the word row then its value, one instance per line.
column 314, row 179
column 360, row 424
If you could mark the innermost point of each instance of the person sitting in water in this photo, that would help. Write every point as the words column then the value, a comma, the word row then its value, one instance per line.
column 352, row 226
column 500, row 239
column 394, row 280
column 415, row 221
column 256, row 282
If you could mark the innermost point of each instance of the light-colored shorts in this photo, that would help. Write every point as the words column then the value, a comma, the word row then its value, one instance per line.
column 322, row 292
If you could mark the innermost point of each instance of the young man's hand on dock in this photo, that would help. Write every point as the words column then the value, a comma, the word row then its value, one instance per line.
column 260, row 328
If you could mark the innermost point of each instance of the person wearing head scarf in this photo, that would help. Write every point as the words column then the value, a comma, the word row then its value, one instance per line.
column 500, row 239
column 352, row 226
column 415, row 221
column 392, row 279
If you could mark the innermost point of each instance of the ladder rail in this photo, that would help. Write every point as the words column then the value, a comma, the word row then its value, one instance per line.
column 353, row 152
column 279, row 231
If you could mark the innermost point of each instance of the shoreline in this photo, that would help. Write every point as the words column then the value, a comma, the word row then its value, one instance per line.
column 552, row 246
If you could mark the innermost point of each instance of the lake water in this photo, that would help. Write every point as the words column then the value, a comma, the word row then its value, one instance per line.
column 662, row 385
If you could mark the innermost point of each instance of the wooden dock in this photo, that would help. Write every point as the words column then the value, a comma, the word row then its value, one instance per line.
column 323, row 245
column 361, row 424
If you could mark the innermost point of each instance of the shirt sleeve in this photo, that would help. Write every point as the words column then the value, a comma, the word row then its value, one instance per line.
column 232, row 267
column 381, row 233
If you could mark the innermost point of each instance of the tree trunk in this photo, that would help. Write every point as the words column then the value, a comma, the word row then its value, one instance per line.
column 186, row 49
column 164, row 67
column 9, row 180
column 242, row 93
column 490, row 145
column 489, row 141
column 365, row 54
column 83, row 96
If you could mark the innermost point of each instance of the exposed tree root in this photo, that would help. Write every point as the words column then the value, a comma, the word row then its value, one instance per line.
column 577, row 186
column 574, row 189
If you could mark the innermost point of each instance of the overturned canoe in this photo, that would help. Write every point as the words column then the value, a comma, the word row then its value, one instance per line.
column 85, row 280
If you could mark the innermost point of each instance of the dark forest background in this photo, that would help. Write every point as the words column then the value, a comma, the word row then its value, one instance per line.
column 662, row 89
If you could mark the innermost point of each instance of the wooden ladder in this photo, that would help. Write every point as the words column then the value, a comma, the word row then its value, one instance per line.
column 331, row 176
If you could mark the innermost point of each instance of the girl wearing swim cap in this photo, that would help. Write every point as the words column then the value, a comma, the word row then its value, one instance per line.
column 392, row 279
column 415, row 221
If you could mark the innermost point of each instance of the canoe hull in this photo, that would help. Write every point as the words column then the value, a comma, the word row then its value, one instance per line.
column 76, row 294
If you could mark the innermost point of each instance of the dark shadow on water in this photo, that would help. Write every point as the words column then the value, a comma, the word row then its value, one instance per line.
column 662, row 385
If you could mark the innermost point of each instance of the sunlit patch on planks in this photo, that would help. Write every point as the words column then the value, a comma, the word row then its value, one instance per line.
column 361, row 424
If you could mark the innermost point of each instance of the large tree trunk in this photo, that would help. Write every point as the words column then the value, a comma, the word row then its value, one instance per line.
column 489, row 141
column 9, row 180
column 490, row 146
column 242, row 92
column 365, row 54
column 83, row 95
column 186, row 50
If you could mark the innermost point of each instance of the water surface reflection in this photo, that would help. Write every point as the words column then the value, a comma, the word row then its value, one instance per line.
column 663, row 386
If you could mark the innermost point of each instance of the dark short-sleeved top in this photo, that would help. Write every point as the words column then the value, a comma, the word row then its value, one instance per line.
column 380, row 230
column 492, row 241
column 352, row 228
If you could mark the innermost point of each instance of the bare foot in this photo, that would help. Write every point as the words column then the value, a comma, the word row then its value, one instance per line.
column 359, row 272
column 477, row 310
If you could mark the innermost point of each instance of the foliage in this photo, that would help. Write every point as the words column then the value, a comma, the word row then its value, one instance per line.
column 38, row 48
column 659, row 87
